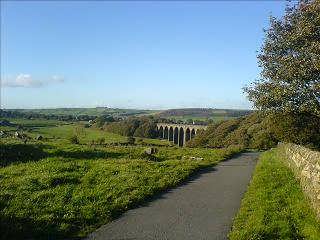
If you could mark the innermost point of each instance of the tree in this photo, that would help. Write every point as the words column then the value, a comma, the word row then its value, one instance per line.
column 101, row 120
column 302, row 128
column 147, row 129
column 290, row 62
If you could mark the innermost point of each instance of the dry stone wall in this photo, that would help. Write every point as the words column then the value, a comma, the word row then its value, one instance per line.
column 305, row 163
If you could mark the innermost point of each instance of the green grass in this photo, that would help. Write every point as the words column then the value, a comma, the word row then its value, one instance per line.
column 274, row 206
column 35, row 122
column 70, row 191
column 87, row 111
column 151, row 141
column 55, row 189
column 85, row 134
column 58, row 131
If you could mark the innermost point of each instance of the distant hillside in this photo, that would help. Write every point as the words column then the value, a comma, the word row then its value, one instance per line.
column 98, row 111
column 203, row 113
column 182, row 115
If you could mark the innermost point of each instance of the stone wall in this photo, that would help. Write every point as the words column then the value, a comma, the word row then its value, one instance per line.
column 305, row 163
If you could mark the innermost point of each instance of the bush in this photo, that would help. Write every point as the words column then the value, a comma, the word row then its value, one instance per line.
column 101, row 141
column 74, row 139
column 299, row 128
column 101, row 120
column 131, row 140
column 138, row 127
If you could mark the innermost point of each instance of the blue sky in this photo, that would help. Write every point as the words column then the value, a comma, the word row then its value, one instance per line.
column 152, row 55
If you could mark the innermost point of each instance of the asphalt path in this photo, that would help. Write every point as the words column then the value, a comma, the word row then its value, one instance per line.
column 201, row 208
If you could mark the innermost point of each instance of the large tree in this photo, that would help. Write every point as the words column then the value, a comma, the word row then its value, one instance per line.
column 290, row 62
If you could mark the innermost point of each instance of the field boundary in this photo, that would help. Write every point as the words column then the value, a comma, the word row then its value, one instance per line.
column 305, row 164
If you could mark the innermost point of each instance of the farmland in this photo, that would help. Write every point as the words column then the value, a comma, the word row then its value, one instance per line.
column 97, row 111
column 179, row 115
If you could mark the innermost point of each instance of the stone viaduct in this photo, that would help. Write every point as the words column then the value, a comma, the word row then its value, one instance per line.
column 178, row 133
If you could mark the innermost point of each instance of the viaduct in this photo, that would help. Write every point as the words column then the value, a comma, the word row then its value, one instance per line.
column 178, row 133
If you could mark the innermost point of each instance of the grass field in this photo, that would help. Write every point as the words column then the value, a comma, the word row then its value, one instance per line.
column 86, row 135
column 55, row 189
column 196, row 114
column 34, row 122
column 98, row 111
column 274, row 206
column 59, row 131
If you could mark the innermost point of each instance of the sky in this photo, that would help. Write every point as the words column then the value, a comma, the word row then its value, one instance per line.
column 131, row 54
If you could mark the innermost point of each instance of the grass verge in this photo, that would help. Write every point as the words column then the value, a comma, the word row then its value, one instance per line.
column 274, row 206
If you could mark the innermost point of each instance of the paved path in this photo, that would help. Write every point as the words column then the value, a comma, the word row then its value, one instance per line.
column 202, row 208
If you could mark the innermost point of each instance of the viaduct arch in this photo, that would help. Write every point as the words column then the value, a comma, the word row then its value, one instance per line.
column 178, row 133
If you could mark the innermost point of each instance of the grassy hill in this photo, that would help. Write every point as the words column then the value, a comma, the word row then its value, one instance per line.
column 203, row 113
column 98, row 111
column 182, row 114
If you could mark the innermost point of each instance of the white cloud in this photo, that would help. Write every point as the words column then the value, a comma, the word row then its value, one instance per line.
column 27, row 81
column 57, row 79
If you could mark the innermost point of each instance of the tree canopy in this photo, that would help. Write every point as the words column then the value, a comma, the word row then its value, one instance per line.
column 134, row 126
column 290, row 62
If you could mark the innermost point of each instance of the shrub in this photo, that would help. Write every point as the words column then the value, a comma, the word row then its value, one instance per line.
column 300, row 128
column 138, row 127
column 101, row 141
column 131, row 140
column 74, row 139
